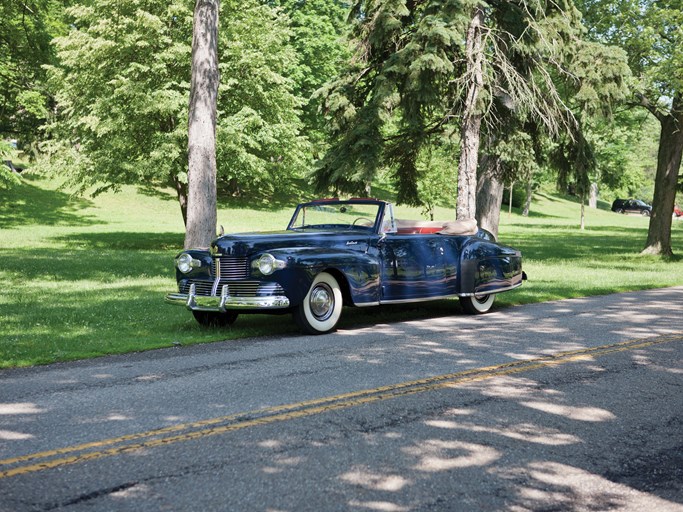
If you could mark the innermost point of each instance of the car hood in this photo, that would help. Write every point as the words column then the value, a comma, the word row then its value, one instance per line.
column 244, row 244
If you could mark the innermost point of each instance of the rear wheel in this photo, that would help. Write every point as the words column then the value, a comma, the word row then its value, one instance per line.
column 215, row 319
column 322, row 306
column 619, row 210
column 477, row 304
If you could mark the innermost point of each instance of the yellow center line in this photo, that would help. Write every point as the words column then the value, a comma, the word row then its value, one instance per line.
column 239, row 421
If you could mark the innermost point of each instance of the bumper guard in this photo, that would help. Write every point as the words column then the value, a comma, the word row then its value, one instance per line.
column 225, row 302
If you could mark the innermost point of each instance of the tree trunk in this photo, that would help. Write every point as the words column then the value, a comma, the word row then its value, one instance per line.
column 181, row 191
column 529, row 196
column 471, row 123
column 593, row 197
column 583, row 211
column 489, row 195
column 201, row 206
column 668, row 166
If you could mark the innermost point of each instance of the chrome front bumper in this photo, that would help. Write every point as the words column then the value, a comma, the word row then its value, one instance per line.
column 225, row 302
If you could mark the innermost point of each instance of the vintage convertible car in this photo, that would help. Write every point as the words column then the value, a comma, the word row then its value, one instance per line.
column 343, row 252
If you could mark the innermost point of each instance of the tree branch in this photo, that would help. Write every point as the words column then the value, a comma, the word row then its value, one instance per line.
column 644, row 102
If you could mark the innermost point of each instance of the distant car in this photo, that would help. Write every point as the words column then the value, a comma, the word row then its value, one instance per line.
column 631, row 206
column 677, row 211
column 337, row 252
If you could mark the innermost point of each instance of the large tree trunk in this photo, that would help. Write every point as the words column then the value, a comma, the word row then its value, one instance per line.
column 668, row 166
column 201, row 207
column 489, row 195
column 471, row 123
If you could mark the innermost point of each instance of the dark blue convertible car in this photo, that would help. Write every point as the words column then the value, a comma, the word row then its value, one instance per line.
column 343, row 252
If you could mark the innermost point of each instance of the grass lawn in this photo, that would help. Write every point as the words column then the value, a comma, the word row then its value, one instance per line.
column 87, row 277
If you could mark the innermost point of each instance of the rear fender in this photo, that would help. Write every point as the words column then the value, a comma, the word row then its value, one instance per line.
column 487, row 267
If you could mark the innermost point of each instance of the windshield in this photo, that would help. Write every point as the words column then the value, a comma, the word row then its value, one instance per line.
column 336, row 216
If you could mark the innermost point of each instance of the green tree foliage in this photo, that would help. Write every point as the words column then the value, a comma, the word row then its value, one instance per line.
column 650, row 32
column 122, row 94
column 319, row 30
column 26, row 31
column 122, row 91
column 260, row 146
column 625, row 153
column 393, row 95
column 7, row 177
column 437, row 183
column 410, row 76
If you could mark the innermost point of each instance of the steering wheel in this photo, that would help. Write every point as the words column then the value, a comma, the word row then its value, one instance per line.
column 364, row 221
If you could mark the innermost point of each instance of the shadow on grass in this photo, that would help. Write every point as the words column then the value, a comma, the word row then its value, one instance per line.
column 101, row 265
column 27, row 204
column 123, row 240
column 568, row 243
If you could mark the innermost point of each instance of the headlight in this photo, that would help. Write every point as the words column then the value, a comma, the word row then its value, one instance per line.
column 186, row 263
column 267, row 264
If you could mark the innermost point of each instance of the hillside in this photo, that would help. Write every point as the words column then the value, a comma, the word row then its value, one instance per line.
column 87, row 276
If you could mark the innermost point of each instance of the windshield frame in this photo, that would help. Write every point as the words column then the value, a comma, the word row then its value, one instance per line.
column 381, row 207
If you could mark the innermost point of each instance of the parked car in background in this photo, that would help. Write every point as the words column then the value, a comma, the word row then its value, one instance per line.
column 677, row 211
column 338, row 253
column 632, row 206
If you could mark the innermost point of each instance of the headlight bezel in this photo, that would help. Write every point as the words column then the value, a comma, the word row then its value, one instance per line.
column 266, row 264
column 185, row 263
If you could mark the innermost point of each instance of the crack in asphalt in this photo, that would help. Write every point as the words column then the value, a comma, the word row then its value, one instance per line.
column 91, row 496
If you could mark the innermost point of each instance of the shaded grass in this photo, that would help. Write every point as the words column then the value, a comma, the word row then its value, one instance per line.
column 86, row 277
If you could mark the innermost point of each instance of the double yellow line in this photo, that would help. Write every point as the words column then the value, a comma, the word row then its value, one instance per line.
column 188, row 431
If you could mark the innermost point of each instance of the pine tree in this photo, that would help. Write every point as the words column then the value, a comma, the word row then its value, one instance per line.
column 422, row 67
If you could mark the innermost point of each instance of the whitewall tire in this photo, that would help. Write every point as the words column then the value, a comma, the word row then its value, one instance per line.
column 322, row 306
column 477, row 304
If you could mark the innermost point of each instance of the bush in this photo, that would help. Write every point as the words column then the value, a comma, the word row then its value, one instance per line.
column 518, row 196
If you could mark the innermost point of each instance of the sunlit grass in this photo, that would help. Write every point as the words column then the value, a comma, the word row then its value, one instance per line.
column 86, row 277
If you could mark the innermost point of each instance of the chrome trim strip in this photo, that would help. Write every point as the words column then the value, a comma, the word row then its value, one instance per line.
column 499, row 290
column 225, row 302
column 441, row 297
column 214, row 288
column 365, row 304
column 417, row 299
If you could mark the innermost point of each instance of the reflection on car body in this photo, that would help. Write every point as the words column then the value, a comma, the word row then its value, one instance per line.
column 343, row 252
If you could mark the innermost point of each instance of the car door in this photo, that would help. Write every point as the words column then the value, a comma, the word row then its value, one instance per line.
column 413, row 266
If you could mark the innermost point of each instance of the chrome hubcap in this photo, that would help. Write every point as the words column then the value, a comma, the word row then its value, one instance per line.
column 322, row 302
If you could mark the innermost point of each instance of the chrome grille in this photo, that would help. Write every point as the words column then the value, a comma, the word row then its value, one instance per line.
column 236, row 288
column 201, row 287
column 230, row 267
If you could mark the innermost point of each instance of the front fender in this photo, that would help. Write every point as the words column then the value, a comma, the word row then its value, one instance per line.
column 358, row 271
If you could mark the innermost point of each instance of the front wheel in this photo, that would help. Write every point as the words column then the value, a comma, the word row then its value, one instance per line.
column 477, row 304
column 322, row 306
column 645, row 213
column 215, row 319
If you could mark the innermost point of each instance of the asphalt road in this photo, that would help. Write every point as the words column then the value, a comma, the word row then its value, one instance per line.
column 570, row 405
